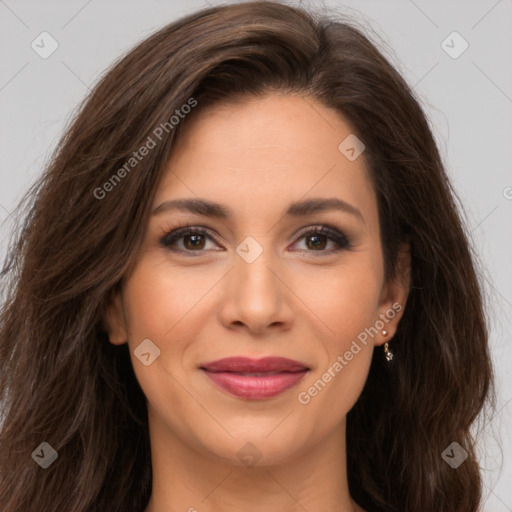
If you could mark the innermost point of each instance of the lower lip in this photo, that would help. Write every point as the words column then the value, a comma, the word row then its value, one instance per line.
column 255, row 387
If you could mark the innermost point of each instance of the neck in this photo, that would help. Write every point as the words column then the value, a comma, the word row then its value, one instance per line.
column 187, row 479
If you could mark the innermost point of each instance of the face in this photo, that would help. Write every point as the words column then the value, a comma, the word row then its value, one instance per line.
column 285, row 262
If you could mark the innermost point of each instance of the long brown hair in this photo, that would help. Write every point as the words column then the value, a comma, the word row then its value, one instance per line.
column 63, row 383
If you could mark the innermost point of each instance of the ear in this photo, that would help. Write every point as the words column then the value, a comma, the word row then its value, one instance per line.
column 114, row 320
column 394, row 296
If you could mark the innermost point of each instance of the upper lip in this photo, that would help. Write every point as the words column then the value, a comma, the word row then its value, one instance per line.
column 249, row 365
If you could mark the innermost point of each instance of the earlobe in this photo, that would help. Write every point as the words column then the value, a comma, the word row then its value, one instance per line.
column 394, row 296
column 114, row 321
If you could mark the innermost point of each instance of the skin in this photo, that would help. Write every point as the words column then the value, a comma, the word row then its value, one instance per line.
column 298, row 299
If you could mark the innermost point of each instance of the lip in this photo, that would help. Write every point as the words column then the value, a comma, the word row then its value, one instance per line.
column 255, row 379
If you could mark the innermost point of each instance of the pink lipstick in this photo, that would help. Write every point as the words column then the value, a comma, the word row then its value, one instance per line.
column 256, row 379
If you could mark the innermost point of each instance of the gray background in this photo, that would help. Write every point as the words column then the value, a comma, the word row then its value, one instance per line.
column 468, row 99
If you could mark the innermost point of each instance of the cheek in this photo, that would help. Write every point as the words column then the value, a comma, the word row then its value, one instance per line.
column 346, row 300
column 331, row 393
column 162, row 301
column 169, row 306
column 336, row 383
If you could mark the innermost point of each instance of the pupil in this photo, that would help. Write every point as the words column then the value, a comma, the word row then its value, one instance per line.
column 195, row 241
column 317, row 242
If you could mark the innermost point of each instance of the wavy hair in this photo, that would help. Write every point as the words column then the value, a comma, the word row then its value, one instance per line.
column 62, row 382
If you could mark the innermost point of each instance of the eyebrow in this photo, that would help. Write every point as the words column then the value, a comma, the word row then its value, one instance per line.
column 298, row 209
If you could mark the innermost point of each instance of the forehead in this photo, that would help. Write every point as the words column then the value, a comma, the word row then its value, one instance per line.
column 266, row 151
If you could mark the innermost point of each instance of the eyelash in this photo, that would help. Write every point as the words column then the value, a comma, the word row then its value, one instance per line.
column 330, row 232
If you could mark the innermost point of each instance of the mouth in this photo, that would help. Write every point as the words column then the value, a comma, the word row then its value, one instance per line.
column 255, row 379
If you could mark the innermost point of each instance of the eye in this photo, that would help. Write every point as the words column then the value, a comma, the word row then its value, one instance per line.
column 187, row 239
column 194, row 239
column 317, row 238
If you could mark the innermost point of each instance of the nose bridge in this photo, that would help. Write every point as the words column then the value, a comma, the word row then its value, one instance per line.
column 252, row 270
column 254, row 295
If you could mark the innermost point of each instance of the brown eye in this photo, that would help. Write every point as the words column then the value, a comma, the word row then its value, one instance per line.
column 317, row 239
column 316, row 242
column 193, row 241
column 188, row 240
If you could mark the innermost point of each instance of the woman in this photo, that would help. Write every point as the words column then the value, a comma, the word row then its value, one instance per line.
column 243, row 284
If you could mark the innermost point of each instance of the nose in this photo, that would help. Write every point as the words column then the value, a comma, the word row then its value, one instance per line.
column 256, row 297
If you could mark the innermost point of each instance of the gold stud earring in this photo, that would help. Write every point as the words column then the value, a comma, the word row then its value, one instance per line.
column 387, row 352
